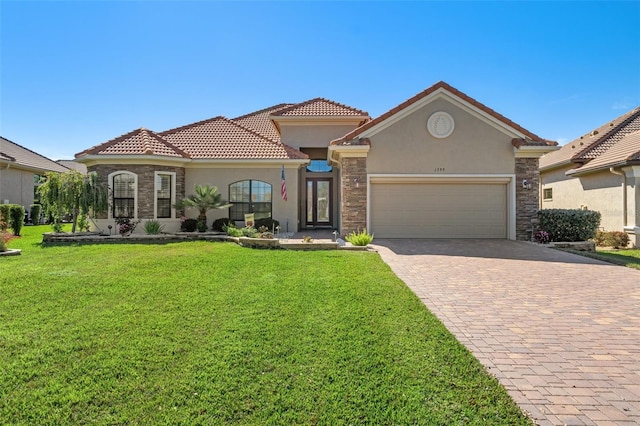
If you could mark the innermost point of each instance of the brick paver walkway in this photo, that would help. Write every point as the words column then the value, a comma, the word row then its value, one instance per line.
column 561, row 332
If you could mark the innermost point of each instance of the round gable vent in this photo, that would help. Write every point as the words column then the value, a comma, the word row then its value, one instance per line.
column 440, row 124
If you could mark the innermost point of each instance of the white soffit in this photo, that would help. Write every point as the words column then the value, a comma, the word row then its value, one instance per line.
column 442, row 93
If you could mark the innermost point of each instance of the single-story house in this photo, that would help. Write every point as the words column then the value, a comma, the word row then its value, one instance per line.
column 439, row 165
column 599, row 171
column 20, row 169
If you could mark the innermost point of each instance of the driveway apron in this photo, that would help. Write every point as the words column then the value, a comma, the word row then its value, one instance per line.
column 560, row 332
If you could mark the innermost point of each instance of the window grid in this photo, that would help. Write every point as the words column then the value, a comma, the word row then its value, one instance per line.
column 250, row 196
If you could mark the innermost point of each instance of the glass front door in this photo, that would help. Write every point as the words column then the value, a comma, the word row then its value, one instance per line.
column 319, row 202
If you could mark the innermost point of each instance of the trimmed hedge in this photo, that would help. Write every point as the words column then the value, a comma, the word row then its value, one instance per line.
column 569, row 224
column 268, row 222
column 219, row 225
column 13, row 214
column 615, row 239
column 34, row 213
column 189, row 225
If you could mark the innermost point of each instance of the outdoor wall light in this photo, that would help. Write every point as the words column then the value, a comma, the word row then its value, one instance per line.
column 526, row 184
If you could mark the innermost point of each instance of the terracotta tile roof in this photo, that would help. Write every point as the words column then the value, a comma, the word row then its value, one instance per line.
column 623, row 151
column 221, row 138
column 261, row 123
column 320, row 107
column 138, row 142
column 14, row 154
column 531, row 138
column 594, row 143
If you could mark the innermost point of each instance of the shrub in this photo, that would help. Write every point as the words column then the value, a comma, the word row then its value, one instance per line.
column 264, row 232
column 541, row 237
column 569, row 224
column 359, row 238
column 219, row 224
column 4, row 213
column 268, row 222
column 16, row 218
column 34, row 213
column 126, row 225
column 615, row 239
column 82, row 224
column 5, row 237
column 189, row 225
column 201, row 225
column 247, row 231
column 153, row 227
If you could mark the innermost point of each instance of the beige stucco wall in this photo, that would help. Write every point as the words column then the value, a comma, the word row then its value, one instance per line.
column 599, row 191
column 474, row 146
column 313, row 136
column 283, row 211
column 16, row 186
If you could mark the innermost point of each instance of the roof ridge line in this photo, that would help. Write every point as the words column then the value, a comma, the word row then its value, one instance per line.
column 186, row 126
column 309, row 101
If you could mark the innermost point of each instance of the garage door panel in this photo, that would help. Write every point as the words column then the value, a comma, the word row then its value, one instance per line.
column 436, row 210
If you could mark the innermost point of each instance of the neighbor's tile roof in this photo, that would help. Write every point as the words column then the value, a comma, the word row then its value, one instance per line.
column 221, row 138
column 594, row 143
column 320, row 107
column 261, row 123
column 531, row 138
column 621, row 152
column 138, row 142
column 13, row 153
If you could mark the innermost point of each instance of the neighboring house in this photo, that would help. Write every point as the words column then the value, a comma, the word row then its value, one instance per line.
column 439, row 165
column 599, row 171
column 20, row 169
column 72, row 165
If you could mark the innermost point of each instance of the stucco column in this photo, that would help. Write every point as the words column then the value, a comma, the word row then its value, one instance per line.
column 527, row 199
column 353, row 198
column 632, row 178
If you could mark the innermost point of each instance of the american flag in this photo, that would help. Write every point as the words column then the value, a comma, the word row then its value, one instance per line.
column 283, row 186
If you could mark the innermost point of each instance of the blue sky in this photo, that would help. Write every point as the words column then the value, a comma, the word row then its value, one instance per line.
column 76, row 74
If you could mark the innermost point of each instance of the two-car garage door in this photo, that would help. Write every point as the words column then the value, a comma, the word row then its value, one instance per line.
column 438, row 210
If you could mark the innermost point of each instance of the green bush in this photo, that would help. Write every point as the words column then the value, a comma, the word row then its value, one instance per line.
column 569, row 224
column 359, row 238
column 615, row 239
column 247, row 231
column 153, row 227
column 4, row 213
column 268, row 222
column 219, row 224
column 189, row 225
column 34, row 213
column 16, row 218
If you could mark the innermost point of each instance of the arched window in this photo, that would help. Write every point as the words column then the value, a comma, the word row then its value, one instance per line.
column 249, row 196
column 123, row 186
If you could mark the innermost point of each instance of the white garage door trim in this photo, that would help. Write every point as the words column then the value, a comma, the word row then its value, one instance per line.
column 508, row 179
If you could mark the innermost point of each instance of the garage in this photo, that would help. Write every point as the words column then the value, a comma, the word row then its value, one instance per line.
column 405, row 208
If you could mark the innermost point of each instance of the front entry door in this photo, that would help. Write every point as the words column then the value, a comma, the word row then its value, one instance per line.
column 319, row 202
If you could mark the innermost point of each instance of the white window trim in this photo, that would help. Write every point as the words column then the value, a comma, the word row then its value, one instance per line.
column 135, row 192
column 155, row 194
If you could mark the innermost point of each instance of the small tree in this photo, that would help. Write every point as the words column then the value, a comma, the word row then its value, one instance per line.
column 204, row 198
column 74, row 193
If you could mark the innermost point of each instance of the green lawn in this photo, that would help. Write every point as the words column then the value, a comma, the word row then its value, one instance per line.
column 624, row 257
column 630, row 258
column 213, row 333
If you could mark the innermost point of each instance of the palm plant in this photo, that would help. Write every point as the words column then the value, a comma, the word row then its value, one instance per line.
column 204, row 198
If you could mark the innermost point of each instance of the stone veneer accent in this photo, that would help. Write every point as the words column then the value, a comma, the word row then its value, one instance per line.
column 527, row 200
column 146, row 184
column 353, row 213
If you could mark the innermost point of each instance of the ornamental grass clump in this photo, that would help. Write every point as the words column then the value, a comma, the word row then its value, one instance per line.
column 153, row 227
column 359, row 238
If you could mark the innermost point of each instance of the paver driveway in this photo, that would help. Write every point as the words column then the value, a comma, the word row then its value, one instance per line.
column 561, row 332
